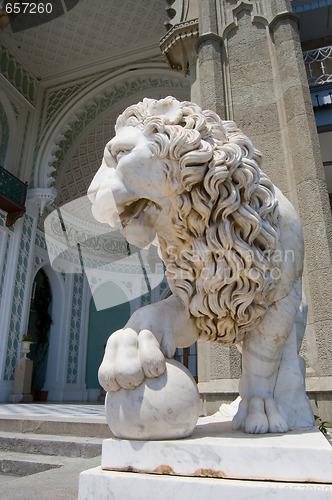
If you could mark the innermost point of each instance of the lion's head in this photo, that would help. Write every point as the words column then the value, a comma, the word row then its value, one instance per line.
column 194, row 181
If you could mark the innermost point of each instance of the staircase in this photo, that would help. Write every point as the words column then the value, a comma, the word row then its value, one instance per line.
column 41, row 457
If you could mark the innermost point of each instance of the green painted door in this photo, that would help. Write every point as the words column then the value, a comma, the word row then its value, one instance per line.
column 102, row 323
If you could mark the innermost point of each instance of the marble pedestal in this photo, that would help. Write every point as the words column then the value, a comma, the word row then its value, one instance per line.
column 215, row 462
column 22, row 382
column 98, row 484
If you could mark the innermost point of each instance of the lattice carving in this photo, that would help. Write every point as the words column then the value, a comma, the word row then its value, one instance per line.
column 58, row 98
column 87, row 33
column 85, row 162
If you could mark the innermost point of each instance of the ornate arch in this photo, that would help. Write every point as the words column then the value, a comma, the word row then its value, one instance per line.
column 87, row 107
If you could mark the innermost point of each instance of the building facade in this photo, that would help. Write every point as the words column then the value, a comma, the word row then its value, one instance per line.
column 265, row 64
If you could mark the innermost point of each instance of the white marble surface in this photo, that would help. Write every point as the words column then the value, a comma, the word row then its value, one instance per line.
column 166, row 407
column 217, row 450
column 96, row 484
column 192, row 184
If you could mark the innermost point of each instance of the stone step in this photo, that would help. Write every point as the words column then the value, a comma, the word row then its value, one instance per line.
column 50, row 444
column 58, row 483
column 62, row 426
column 18, row 464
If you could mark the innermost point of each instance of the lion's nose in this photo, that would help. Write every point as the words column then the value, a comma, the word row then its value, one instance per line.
column 92, row 191
column 108, row 159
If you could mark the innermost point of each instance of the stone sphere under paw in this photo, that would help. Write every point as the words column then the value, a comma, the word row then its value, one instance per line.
column 166, row 407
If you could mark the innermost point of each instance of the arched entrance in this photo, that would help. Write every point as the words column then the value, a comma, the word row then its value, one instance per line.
column 102, row 323
column 39, row 325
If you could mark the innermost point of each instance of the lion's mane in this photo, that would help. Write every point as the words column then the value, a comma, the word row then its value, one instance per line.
column 225, row 222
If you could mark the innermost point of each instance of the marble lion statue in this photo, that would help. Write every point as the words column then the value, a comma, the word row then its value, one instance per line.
column 190, row 183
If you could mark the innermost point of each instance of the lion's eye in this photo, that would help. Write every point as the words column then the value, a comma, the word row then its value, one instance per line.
column 120, row 154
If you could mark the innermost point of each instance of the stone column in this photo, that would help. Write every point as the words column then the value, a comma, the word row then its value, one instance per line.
column 18, row 281
column 211, row 59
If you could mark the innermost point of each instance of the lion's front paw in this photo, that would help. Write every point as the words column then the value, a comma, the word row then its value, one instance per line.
column 259, row 416
column 129, row 358
column 121, row 366
column 151, row 358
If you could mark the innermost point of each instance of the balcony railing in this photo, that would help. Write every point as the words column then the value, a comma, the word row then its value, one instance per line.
column 303, row 5
column 318, row 63
column 12, row 196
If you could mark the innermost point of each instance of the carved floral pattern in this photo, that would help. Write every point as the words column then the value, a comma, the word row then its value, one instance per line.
column 75, row 328
column 18, row 298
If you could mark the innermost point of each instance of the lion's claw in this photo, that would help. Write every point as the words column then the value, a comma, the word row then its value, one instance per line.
column 106, row 376
column 256, row 424
column 150, row 355
column 277, row 423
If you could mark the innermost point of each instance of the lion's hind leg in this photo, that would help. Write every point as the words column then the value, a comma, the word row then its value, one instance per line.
column 262, row 350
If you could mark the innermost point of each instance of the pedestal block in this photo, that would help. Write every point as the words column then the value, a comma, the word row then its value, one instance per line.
column 22, row 381
column 98, row 484
column 215, row 462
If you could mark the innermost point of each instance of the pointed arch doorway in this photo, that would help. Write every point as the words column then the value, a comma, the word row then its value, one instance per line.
column 39, row 325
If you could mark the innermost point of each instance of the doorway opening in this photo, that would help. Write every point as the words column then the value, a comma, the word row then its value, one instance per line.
column 39, row 325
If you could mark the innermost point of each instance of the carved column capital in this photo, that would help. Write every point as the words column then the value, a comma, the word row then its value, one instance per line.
column 178, row 45
column 41, row 197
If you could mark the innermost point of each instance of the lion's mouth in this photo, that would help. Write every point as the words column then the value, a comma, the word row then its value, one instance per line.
column 135, row 211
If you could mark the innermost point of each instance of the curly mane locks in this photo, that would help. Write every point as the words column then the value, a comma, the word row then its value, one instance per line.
column 225, row 221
